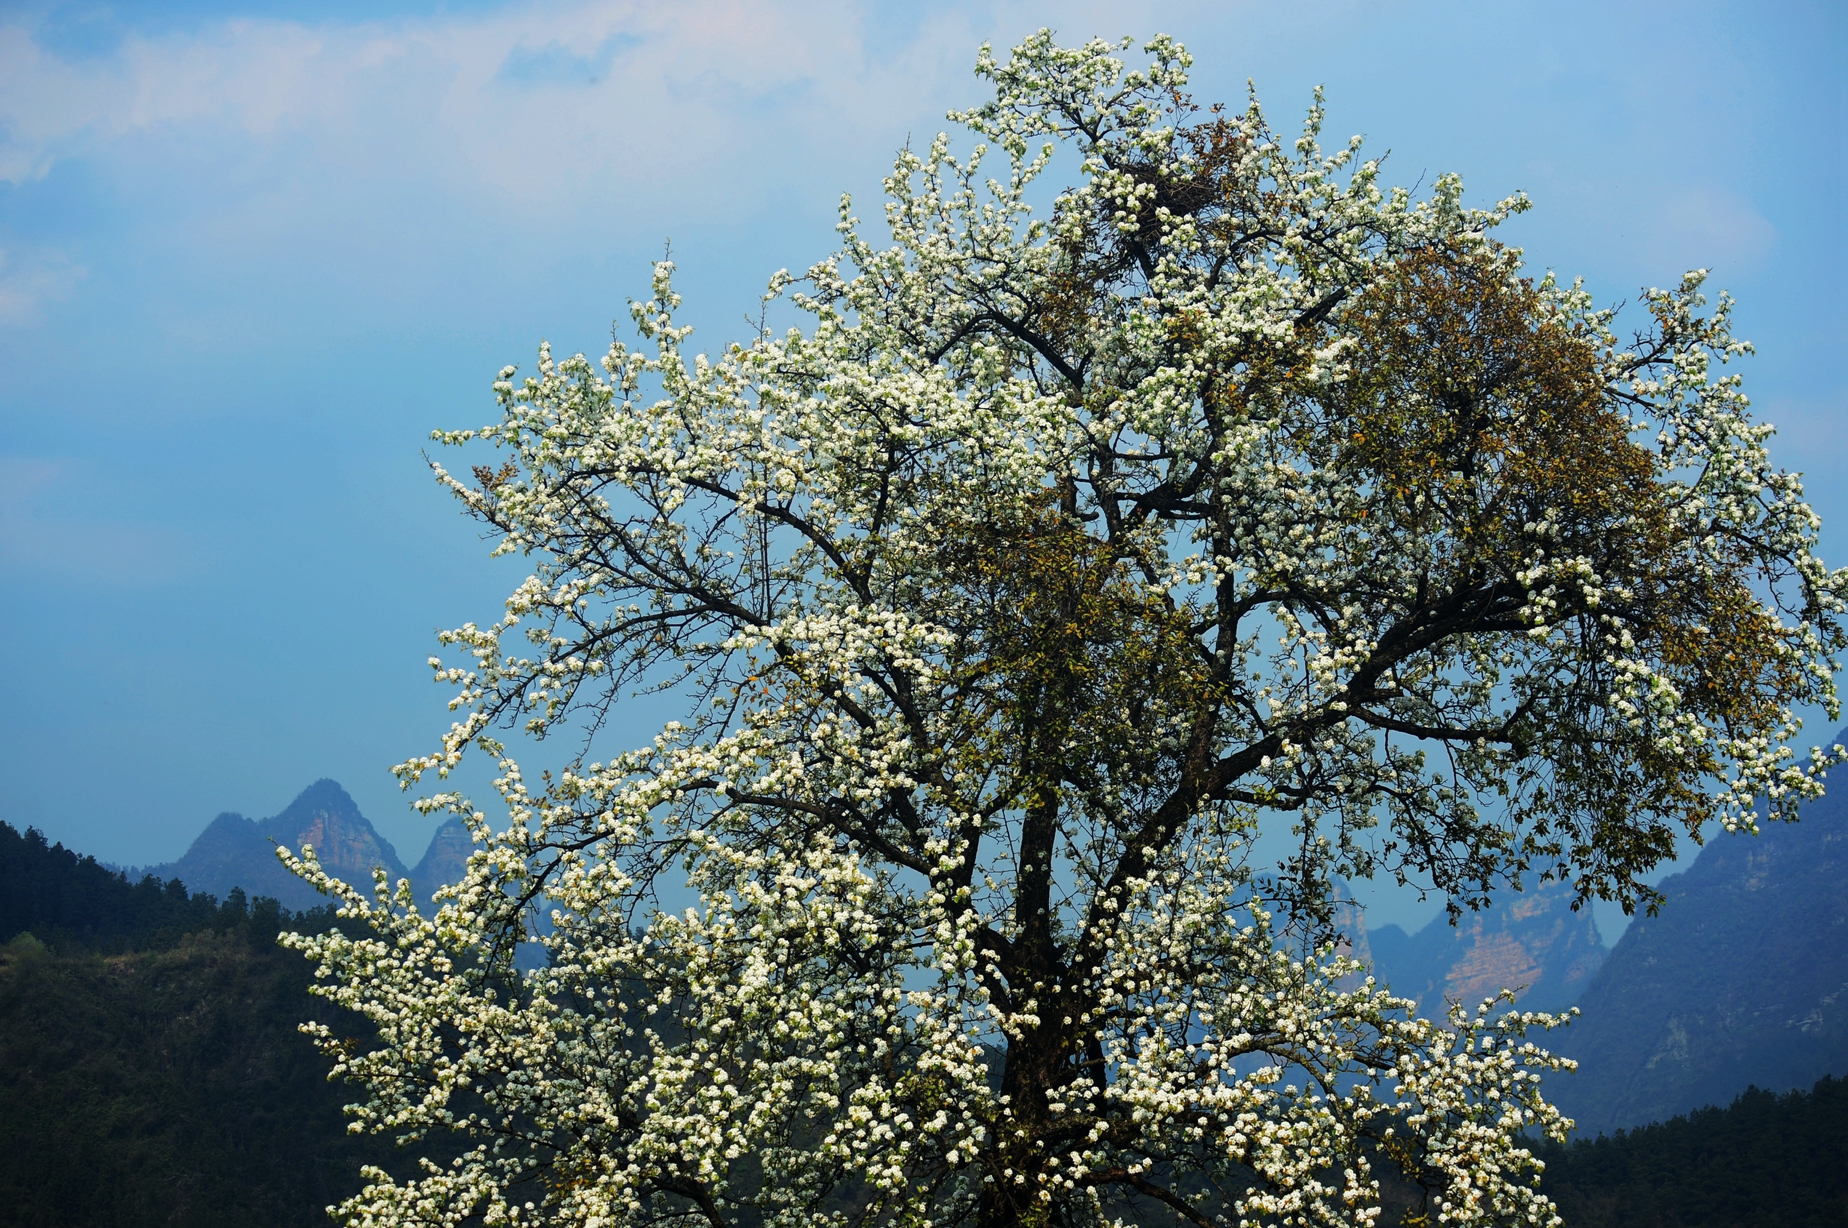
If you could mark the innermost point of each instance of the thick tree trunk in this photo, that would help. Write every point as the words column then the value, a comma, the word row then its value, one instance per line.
column 1009, row 1201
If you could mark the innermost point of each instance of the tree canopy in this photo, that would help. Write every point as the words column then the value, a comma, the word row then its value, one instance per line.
column 1056, row 558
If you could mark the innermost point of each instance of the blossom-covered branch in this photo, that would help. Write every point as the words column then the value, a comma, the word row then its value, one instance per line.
column 1011, row 599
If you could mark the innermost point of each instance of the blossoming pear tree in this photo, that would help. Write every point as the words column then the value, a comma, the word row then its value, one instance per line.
column 1061, row 554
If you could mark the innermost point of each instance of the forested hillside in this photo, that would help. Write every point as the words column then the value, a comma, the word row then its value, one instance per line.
column 64, row 898
column 1767, row 1161
column 151, row 1070
column 167, row 1087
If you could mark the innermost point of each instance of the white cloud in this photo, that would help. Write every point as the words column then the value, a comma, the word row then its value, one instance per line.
column 529, row 105
column 32, row 277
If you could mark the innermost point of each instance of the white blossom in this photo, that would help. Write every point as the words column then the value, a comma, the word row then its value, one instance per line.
column 1055, row 557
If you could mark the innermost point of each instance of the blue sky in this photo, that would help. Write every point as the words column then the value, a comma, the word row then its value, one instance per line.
column 250, row 255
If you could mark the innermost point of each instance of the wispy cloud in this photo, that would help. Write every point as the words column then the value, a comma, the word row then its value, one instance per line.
column 526, row 106
column 1712, row 225
column 32, row 277
column 558, row 66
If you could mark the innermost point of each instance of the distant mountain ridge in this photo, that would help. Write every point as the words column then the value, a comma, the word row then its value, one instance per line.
column 1530, row 941
column 1740, row 980
column 234, row 851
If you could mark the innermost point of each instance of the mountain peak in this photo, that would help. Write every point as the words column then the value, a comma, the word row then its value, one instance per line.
column 324, row 794
column 326, row 816
column 234, row 851
column 444, row 862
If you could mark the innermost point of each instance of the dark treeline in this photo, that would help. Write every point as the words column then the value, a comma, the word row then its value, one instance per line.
column 1766, row 1161
column 66, row 900
column 151, row 1067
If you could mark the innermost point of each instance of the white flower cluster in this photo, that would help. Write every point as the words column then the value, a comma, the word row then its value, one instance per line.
column 1054, row 558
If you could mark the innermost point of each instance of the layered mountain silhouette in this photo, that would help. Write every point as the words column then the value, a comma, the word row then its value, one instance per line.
column 1531, row 942
column 1740, row 980
column 234, row 851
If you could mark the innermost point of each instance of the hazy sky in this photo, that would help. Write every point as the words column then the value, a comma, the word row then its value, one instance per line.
column 251, row 254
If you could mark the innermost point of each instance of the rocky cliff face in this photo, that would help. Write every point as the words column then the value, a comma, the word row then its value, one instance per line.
column 1531, row 942
column 234, row 851
column 324, row 816
column 1740, row 979
column 444, row 862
